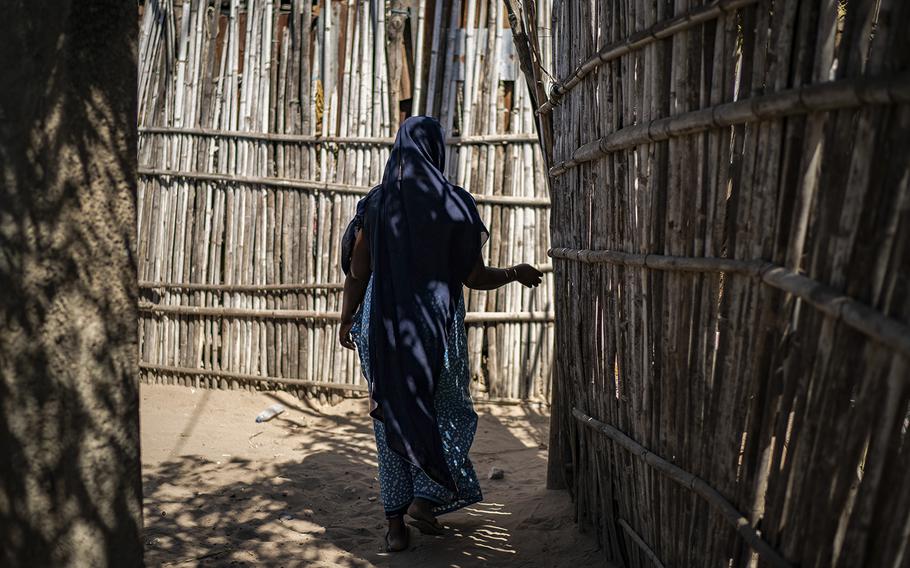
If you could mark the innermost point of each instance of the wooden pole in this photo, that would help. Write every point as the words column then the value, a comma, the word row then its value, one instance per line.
column 638, row 41
column 417, row 102
column 394, row 51
column 869, row 321
column 692, row 483
column 834, row 95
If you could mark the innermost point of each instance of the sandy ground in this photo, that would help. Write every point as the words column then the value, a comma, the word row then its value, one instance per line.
column 301, row 490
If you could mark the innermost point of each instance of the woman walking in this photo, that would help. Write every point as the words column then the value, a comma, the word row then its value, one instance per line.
column 414, row 241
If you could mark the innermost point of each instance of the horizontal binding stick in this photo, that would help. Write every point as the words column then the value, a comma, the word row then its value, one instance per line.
column 352, row 387
column 526, row 402
column 338, row 140
column 869, row 321
column 165, row 369
column 251, row 180
column 497, row 317
column 214, row 311
column 637, row 41
column 693, row 483
column 660, row 262
column 247, row 288
column 505, row 200
column 828, row 96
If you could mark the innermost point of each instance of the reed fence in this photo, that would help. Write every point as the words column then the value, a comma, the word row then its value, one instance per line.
column 262, row 122
column 731, row 245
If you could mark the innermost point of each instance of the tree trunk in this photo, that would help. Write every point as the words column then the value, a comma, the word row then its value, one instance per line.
column 70, row 485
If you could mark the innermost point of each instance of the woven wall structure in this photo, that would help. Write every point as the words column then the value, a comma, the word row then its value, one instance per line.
column 263, row 122
column 731, row 247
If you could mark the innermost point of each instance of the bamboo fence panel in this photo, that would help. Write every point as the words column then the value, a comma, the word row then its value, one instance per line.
column 262, row 122
column 731, row 245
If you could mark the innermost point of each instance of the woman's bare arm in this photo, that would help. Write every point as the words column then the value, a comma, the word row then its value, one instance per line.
column 484, row 277
column 355, row 286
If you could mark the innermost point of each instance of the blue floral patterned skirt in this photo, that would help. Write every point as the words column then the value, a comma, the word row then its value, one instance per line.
column 399, row 480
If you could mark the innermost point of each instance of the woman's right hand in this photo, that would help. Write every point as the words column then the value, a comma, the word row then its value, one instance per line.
column 344, row 335
column 527, row 275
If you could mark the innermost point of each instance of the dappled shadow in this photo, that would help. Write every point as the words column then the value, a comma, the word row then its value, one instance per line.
column 69, row 440
column 323, row 509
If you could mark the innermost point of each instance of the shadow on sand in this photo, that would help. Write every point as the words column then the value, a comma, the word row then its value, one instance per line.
column 322, row 510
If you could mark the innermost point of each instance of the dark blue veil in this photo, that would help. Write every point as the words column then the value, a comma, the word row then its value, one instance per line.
column 425, row 236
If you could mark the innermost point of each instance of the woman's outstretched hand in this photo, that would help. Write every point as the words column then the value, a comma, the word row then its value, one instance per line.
column 483, row 277
column 344, row 335
column 527, row 275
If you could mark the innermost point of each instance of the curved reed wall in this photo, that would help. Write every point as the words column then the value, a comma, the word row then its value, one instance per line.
column 731, row 244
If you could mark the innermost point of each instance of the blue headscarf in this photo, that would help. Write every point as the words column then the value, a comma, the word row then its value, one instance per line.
column 425, row 236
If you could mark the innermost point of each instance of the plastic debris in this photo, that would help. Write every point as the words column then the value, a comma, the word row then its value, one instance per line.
column 269, row 413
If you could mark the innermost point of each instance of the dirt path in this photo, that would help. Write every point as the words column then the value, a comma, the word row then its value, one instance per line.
column 301, row 490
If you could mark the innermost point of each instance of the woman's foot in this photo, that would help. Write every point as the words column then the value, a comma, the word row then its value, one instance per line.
column 421, row 511
column 397, row 538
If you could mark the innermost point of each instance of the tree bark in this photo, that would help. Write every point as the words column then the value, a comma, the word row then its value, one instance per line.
column 70, row 485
